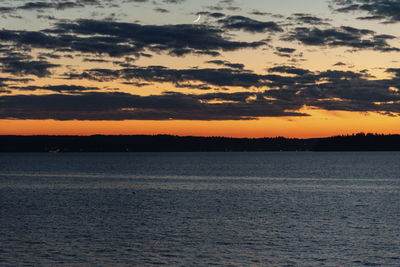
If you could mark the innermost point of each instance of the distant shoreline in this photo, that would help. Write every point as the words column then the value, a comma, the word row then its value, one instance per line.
column 170, row 143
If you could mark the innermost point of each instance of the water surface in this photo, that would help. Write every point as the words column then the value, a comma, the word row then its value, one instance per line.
column 268, row 209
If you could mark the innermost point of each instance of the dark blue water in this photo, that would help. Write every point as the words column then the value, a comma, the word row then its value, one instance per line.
column 200, row 209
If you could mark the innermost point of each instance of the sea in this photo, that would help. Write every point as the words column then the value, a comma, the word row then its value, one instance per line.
column 200, row 209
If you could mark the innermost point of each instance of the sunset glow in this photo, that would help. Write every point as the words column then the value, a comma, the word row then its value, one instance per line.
column 243, row 69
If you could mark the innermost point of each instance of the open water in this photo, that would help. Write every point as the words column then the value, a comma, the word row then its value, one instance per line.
column 200, row 209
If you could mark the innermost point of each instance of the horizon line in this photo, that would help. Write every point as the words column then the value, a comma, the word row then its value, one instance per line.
column 199, row 136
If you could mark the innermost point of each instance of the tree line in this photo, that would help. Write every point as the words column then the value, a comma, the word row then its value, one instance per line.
column 170, row 143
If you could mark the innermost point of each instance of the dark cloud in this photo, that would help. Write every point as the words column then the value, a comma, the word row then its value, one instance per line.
column 341, row 91
column 278, row 77
column 67, row 43
column 343, row 36
column 226, row 64
column 157, row 2
column 290, row 90
column 284, row 51
column 177, row 39
column 239, row 97
column 259, row 13
column 98, row 60
column 215, row 15
column 339, row 64
column 21, row 65
column 395, row 71
column 224, row 5
column 386, row 10
column 286, row 90
column 301, row 18
column 286, row 83
column 161, row 10
column 215, row 77
column 14, row 80
column 59, row 5
column 120, row 39
column 249, row 25
column 56, row 88
column 7, row 83
column 137, row 84
column 122, row 106
column 289, row 70
column 201, row 86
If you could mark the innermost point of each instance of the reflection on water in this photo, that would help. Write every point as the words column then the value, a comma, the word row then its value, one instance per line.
column 202, row 209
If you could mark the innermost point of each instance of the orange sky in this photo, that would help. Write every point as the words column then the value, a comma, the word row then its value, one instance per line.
column 321, row 124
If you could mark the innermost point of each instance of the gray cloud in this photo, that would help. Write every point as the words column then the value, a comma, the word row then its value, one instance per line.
column 56, row 88
column 59, row 5
column 21, row 65
column 120, row 39
column 302, row 18
column 290, row 84
column 226, row 63
column 249, row 25
column 286, row 90
column 122, row 106
column 386, row 10
column 343, row 36
column 215, row 77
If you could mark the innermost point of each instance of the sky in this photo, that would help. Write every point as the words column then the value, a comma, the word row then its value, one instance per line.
column 235, row 68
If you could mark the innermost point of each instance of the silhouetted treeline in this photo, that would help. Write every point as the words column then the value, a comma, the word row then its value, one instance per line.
column 359, row 142
column 163, row 143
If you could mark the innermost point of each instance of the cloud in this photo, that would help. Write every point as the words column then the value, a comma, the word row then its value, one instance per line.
column 289, row 70
column 259, row 13
column 342, row 36
column 177, row 39
column 59, row 5
column 249, row 25
column 341, row 91
column 302, row 18
column 286, row 52
column 286, row 89
column 224, row 5
column 122, row 106
column 328, row 89
column 21, row 65
column 67, row 43
column 340, row 64
column 226, row 64
column 118, row 39
column 160, row 74
column 387, row 11
column 161, row 10
column 7, row 83
column 56, row 88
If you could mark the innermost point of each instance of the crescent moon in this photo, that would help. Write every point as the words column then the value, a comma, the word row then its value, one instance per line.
column 198, row 19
